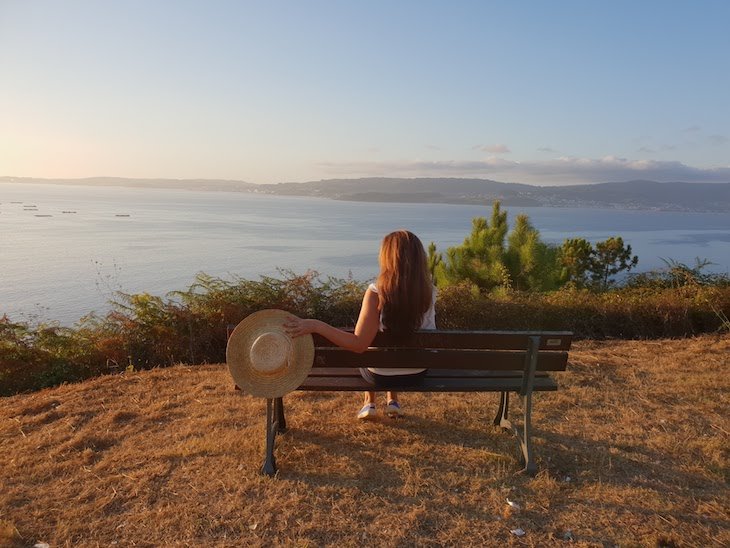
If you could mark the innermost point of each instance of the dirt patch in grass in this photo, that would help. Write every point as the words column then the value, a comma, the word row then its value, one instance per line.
column 632, row 451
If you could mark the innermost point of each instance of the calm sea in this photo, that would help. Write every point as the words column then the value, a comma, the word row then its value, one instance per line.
column 66, row 250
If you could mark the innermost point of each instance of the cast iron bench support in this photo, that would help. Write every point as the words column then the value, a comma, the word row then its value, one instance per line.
column 478, row 361
column 275, row 424
column 502, row 420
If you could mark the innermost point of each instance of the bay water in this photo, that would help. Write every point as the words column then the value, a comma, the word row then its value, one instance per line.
column 66, row 250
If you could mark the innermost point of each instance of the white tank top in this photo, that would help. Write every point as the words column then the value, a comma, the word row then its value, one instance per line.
column 428, row 322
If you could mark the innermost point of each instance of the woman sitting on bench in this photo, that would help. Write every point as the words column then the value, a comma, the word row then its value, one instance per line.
column 400, row 302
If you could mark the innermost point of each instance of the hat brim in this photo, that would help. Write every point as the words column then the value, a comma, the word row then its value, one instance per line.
column 238, row 357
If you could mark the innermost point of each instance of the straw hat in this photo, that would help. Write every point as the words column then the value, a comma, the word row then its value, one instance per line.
column 263, row 360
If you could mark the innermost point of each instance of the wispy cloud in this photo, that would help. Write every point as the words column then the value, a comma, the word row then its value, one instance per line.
column 547, row 149
column 693, row 129
column 495, row 149
column 718, row 140
column 565, row 170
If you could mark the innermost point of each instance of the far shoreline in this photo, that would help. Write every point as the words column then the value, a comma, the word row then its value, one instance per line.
column 242, row 187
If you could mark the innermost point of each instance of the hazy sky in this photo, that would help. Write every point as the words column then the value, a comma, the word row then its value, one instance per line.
column 541, row 92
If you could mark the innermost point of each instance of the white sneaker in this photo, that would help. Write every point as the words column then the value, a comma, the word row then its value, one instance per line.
column 367, row 412
column 393, row 410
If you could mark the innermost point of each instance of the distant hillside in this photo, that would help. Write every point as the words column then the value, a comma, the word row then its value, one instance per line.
column 420, row 190
column 700, row 197
column 711, row 197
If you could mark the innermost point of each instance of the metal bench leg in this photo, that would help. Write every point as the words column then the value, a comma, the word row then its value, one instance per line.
column 524, row 435
column 503, row 411
column 279, row 415
column 526, row 438
column 269, row 467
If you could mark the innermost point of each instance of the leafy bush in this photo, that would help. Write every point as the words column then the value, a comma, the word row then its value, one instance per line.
column 41, row 356
column 631, row 313
column 192, row 326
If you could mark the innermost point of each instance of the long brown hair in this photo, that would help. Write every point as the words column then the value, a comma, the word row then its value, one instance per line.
column 405, row 289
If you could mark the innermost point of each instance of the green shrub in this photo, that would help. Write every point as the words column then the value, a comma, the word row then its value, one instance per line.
column 41, row 356
column 192, row 326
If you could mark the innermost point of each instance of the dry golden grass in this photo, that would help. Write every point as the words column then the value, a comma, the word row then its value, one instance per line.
column 632, row 451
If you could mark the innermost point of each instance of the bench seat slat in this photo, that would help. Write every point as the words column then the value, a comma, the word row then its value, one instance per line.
column 455, row 373
column 429, row 384
column 485, row 340
column 438, row 358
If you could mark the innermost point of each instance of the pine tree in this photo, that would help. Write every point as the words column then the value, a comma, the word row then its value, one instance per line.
column 521, row 256
column 609, row 258
column 531, row 262
column 526, row 263
column 575, row 260
column 479, row 259
column 434, row 262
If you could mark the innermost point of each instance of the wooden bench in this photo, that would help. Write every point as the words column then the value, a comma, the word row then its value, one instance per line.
column 457, row 361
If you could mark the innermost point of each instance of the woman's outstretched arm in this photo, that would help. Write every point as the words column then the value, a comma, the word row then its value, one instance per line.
column 367, row 326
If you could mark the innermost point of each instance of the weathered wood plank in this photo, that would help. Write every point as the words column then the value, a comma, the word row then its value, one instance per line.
column 438, row 384
column 456, row 373
column 486, row 340
column 438, row 358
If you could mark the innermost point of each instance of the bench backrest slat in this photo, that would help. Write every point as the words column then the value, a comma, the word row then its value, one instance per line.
column 438, row 359
column 476, row 340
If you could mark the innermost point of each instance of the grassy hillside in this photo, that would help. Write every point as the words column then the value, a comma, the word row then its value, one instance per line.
column 632, row 451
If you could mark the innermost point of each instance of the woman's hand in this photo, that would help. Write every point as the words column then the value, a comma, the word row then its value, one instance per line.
column 296, row 327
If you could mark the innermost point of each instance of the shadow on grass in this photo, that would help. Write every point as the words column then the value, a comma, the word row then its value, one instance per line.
column 299, row 447
column 331, row 459
column 620, row 464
